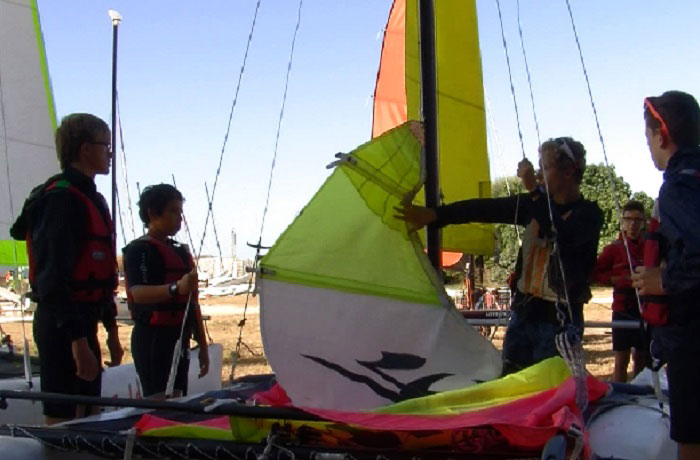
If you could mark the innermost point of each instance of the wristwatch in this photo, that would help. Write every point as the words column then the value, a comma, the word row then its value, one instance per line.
column 172, row 289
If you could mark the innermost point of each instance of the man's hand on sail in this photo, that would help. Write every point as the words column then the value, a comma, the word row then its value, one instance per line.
column 416, row 217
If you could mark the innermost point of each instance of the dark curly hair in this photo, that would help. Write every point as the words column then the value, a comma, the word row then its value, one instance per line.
column 564, row 149
column 155, row 198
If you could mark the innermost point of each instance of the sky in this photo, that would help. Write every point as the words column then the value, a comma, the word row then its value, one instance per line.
column 179, row 64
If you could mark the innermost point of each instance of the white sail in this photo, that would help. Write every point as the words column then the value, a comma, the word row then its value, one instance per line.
column 27, row 118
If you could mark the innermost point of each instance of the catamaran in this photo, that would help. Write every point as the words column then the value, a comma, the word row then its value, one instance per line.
column 371, row 358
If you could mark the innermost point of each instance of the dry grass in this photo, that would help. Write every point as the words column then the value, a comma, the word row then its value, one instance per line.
column 224, row 329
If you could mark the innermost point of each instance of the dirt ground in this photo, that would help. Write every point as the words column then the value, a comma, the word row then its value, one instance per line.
column 226, row 317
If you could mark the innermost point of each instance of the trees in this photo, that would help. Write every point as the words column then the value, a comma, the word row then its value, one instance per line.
column 596, row 186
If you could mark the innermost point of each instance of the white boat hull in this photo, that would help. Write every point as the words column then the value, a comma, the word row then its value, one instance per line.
column 121, row 381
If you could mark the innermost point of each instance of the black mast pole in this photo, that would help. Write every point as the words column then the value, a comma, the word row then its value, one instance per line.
column 116, row 19
column 429, row 97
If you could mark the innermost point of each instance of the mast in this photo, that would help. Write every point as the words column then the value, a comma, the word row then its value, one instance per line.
column 429, row 98
column 116, row 19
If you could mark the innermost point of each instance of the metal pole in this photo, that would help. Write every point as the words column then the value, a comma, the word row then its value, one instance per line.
column 429, row 97
column 116, row 19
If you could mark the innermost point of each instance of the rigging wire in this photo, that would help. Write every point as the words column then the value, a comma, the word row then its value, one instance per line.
column 213, row 225
column 239, row 341
column 510, row 79
column 125, row 174
column 611, row 179
column 177, row 352
column 529, row 78
column 228, row 128
column 184, row 220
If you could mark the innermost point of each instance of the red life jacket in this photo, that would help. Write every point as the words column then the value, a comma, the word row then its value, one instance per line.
column 654, row 308
column 171, row 312
column 624, row 297
column 94, row 276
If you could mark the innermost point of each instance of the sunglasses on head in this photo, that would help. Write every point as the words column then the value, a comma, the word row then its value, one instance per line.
column 654, row 113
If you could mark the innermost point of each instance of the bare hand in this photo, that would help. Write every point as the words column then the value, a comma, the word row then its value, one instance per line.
column 416, row 216
column 203, row 360
column 416, row 128
column 116, row 352
column 85, row 361
column 188, row 283
column 648, row 281
column 526, row 173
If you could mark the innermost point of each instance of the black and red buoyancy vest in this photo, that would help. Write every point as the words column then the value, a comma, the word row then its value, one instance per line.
column 94, row 276
column 654, row 308
column 171, row 312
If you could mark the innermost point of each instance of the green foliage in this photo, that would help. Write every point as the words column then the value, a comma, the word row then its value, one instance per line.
column 646, row 200
column 595, row 186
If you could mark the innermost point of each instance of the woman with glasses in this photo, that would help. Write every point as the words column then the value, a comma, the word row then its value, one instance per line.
column 613, row 269
column 72, row 265
column 530, row 336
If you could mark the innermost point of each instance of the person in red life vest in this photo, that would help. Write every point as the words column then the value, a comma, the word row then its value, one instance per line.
column 539, row 283
column 72, row 266
column 673, row 135
column 161, row 280
column 613, row 269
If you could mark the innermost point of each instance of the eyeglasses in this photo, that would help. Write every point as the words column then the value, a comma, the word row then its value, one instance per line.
column 657, row 116
column 106, row 145
column 636, row 220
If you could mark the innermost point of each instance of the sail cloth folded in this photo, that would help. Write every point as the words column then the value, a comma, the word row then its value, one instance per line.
column 352, row 315
column 515, row 414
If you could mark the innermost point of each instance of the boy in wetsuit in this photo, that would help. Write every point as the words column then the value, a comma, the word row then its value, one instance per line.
column 72, row 266
column 672, row 123
column 530, row 336
column 161, row 281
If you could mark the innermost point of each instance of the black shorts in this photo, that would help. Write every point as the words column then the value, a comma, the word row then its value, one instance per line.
column 57, row 367
column 681, row 348
column 626, row 339
column 152, row 350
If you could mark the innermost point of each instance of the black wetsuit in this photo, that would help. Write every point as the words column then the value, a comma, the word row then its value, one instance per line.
column 56, row 223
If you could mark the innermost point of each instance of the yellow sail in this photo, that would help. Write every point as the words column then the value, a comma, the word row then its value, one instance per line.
column 463, row 156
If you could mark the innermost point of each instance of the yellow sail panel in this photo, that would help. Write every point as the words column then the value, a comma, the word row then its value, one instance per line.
column 463, row 157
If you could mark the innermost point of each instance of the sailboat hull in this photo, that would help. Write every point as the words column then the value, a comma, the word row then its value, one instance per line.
column 120, row 381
